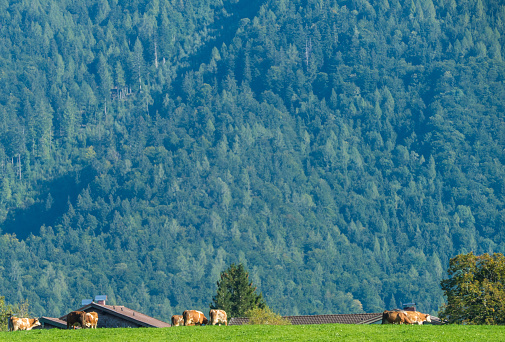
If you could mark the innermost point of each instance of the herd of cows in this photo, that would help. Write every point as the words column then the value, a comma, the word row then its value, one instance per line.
column 90, row 320
column 194, row 317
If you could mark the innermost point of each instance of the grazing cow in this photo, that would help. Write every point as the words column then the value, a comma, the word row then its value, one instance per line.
column 218, row 317
column 177, row 320
column 91, row 320
column 395, row 317
column 76, row 317
column 194, row 317
column 16, row 323
column 417, row 317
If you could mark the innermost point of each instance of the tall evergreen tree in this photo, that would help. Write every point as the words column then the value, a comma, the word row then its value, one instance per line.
column 235, row 293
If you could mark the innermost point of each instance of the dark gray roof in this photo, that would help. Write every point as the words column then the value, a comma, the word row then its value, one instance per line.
column 55, row 322
column 363, row 318
column 238, row 320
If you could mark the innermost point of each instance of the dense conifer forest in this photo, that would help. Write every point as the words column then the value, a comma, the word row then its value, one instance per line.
column 342, row 150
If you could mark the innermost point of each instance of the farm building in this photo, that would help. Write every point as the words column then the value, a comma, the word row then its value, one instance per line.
column 109, row 316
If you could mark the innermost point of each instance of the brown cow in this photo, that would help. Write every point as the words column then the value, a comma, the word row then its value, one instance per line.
column 76, row 317
column 91, row 320
column 218, row 317
column 177, row 320
column 395, row 317
column 417, row 317
column 194, row 317
column 16, row 323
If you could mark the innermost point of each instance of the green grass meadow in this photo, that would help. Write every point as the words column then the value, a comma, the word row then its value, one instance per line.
column 324, row 332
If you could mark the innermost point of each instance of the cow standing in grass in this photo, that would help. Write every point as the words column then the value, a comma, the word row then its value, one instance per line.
column 417, row 317
column 177, row 320
column 76, row 317
column 194, row 317
column 218, row 317
column 395, row 317
column 91, row 320
column 16, row 323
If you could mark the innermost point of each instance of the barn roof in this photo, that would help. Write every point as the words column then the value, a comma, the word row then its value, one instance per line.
column 363, row 318
column 55, row 322
column 126, row 314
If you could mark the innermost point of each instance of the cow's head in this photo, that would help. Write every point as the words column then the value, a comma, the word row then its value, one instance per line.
column 428, row 318
column 36, row 322
column 205, row 320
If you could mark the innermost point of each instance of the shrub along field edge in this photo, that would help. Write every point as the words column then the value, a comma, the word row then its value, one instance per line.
column 322, row 332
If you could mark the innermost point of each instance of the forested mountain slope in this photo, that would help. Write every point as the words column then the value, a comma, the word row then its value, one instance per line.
column 342, row 150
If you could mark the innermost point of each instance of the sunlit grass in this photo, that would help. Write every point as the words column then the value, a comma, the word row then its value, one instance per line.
column 324, row 332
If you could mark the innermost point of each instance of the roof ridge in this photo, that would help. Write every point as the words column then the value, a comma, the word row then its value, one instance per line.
column 52, row 318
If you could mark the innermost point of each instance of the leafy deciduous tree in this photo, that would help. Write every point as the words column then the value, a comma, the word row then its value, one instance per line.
column 475, row 289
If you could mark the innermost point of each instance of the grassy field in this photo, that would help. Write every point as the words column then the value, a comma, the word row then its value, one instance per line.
column 326, row 332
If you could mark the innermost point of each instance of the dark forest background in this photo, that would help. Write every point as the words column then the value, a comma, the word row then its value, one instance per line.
column 341, row 150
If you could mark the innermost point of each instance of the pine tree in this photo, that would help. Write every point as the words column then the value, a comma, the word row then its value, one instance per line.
column 235, row 294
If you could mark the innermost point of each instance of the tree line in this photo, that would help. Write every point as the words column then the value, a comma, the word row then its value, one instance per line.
column 342, row 151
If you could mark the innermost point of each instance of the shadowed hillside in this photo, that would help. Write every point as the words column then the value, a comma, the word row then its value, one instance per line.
column 56, row 197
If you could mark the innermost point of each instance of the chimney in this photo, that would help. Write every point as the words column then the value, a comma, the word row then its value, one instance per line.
column 409, row 306
column 100, row 299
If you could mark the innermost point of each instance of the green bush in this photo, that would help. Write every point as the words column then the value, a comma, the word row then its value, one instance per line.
column 21, row 310
column 266, row 316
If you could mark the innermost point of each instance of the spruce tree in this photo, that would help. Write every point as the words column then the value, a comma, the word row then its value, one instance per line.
column 235, row 293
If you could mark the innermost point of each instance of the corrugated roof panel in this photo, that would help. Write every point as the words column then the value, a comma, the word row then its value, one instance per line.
column 364, row 318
